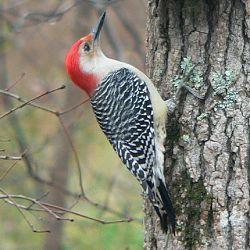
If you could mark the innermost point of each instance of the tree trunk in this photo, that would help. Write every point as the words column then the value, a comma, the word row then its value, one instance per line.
column 207, row 147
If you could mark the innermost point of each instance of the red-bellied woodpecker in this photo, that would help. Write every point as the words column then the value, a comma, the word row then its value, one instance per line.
column 131, row 114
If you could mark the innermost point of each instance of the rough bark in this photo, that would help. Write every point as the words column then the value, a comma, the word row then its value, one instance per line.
column 207, row 148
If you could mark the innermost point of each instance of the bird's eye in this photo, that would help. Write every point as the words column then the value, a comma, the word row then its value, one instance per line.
column 86, row 47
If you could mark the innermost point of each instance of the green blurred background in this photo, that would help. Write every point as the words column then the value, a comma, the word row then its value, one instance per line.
column 34, row 39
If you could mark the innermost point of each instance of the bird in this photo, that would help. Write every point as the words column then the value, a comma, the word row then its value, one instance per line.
column 130, row 112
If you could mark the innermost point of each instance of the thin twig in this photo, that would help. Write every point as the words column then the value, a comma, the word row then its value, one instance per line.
column 85, row 216
column 51, row 183
column 75, row 154
column 20, row 99
column 22, row 213
column 50, row 211
column 13, row 158
column 35, row 105
column 74, row 107
column 9, row 157
column 38, row 199
column 53, row 209
column 16, row 82
column 38, row 203
column 8, row 170
column 31, row 100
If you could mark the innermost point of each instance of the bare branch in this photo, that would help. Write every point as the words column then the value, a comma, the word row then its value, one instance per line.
column 8, row 170
column 31, row 100
column 20, row 99
column 38, row 178
column 16, row 82
column 75, row 154
column 38, row 199
column 86, row 217
column 74, row 107
column 53, row 209
column 22, row 213
column 12, row 158
column 35, row 105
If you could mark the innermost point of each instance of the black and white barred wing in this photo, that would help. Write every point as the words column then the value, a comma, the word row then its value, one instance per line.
column 124, row 111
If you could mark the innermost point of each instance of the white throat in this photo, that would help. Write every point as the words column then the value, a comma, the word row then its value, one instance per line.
column 99, row 65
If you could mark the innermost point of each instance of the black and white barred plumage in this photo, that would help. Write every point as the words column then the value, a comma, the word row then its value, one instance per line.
column 124, row 111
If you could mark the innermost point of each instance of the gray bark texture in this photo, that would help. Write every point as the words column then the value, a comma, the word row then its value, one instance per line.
column 207, row 146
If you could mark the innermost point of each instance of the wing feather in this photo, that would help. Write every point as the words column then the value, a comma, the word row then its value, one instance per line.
column 124, row 111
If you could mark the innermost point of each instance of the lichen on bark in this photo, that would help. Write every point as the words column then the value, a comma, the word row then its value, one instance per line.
column 208, row 173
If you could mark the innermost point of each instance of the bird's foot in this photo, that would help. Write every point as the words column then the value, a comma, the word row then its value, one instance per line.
column 171, row 105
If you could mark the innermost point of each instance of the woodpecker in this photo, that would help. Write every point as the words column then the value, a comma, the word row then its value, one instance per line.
column 131, row 113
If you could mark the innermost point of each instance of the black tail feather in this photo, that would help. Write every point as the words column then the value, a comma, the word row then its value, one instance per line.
column 167, row 216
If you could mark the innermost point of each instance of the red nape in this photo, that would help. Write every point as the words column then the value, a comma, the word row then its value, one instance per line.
column 85, row 81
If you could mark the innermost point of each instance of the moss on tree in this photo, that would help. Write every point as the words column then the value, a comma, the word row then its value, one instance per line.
column 194, row 195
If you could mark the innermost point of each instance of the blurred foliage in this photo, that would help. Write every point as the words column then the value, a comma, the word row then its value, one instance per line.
column 39, row 50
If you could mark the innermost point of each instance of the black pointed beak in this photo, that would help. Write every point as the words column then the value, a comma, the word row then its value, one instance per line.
column 97, row 29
